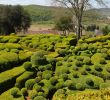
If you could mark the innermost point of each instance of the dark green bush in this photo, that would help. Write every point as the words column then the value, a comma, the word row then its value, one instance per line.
column 90, row 82
column 29, row 83
column 53, row 80
column 79, row 86
column 59, row 63
column 78, row 63
column 59, row 85
column 14, row 92
column 87, row 61
column 69, row 84
column 39, row 98
column 64, row 76
column 38, row 79
column 37, row 87
column 47, row 74
column 27, row 66
column 38, row 58
column 102, row 61
column 98, row 68
column 20, row 81
column 24, row 92
column 33, row 94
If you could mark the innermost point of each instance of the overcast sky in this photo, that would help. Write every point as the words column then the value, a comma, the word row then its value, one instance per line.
column 25, row 2
column 36, row 2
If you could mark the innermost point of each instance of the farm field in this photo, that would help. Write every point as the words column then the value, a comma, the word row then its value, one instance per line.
column 54, row 67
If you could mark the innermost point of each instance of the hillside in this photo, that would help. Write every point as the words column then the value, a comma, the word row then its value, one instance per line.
column 46, row 13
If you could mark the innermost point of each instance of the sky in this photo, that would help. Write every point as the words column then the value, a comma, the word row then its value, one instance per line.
column 38, row 2
column 26, row 2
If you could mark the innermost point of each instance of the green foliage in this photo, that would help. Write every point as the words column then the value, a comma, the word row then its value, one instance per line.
column 38, row 58
column 24, row 91
column 7, row 78
column 29, row 84
column 27, row 66
column 14, row 92
column 39, row 98
column 79, row 86
column 33, row 94
column 13, row 18
column 20, row 81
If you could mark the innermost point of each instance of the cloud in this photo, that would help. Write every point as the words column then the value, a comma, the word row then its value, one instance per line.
column 25, row 2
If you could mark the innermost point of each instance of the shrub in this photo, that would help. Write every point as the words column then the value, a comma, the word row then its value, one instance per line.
column 38, row 59
column 37, row 87
column 47, row 74
column 69, row 84
column 62, row 52
column 59, row 85
column 49, row 67
column 64, row 76
column 104, row 85
column 102, row 61
column 79, row 86
column 33, row 94
column 27, row 66
column 53, row 80
column 51, row 48
column 87, row 61
column 39, row 98
column 78, row 63
column 90, row 82
column 98, row 68
column 24, row 92
column 20, row 81
column 75, row 75
column 38, row 79
column 29, row 83
column 59, row 63
column 14, row 92
column 84, row 72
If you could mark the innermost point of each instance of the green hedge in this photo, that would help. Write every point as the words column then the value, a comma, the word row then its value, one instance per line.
column 8, row 78
column 20, row 81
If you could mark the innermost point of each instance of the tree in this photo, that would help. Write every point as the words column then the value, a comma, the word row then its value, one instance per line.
column 77, row 8
column 13, row 19
column 64, row 24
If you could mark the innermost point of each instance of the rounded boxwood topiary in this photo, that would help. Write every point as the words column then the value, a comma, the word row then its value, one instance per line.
column 38, row 79
column 59, row 85
column 14, row 92
column 89, row 82
column 38, row 58
column 27, row 66
column 39, row 98
column 87, row 61
column 79, row 86
column 33, row 94
column 78, row 63
column 64, row 76
column 98, row 68
column 29, row 83
column 37, row 87
column 24, row 92
column 53, row 80
column 59, row 63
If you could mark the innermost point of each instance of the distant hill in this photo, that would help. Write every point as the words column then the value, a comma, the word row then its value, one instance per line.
column 39, row 13
column 46, row 13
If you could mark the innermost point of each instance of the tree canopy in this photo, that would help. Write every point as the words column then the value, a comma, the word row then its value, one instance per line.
column 13, row 19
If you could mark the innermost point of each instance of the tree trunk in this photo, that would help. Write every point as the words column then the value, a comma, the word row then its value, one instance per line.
column 78, row 30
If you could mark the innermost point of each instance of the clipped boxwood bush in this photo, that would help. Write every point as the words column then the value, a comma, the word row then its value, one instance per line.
column 38, row 58
column 24, row 92
column 14, row 92
column 27, row 66
column 29, row 83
